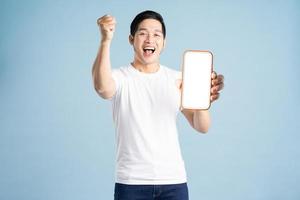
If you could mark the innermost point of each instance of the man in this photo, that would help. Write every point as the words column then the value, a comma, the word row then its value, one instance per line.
column 145, row 97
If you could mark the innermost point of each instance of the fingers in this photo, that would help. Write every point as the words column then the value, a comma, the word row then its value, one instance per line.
column 221, row 86
column 214, row 97
column 217, row 84
column 213, row 75
column 218, row 79
column 106, row 19
column 216, row 89
column 107, row 22
column 107, row 25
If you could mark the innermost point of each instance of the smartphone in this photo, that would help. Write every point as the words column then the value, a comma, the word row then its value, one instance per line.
column 196, row 79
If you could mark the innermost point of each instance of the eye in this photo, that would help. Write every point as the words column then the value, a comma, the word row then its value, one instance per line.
column 158, row 35
column 142, row 33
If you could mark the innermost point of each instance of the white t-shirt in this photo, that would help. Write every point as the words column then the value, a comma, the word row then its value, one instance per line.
column 145, row 107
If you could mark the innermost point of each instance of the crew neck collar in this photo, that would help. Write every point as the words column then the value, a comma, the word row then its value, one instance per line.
column 136, row 71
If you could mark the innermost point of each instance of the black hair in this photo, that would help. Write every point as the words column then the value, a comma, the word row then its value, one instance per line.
column 148, row 14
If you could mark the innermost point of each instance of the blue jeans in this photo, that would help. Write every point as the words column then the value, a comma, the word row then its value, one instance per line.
column 151, row 192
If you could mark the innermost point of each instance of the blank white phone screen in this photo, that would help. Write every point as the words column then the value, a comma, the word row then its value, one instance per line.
column 196, row 75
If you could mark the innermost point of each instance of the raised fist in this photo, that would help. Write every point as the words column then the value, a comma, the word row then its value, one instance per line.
column 107, row 25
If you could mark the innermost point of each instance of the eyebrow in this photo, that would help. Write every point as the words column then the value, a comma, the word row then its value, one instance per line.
column 145, row 29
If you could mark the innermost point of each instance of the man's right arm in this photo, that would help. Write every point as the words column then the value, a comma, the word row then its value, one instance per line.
column 102, row 75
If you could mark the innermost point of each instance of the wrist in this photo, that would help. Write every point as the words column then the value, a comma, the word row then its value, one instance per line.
column 201, row 112
column 105, row 42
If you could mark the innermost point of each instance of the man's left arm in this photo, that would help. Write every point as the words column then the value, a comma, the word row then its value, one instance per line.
column 200, row 119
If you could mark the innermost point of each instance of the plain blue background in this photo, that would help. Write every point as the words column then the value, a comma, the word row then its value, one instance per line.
column 57, row 135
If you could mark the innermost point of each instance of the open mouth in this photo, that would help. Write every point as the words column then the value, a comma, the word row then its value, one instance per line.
column 149, row 50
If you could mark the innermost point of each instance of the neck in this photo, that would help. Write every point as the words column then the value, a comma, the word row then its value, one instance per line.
column 146, row 68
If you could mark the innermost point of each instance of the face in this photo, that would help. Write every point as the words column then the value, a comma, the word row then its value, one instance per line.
column 148, row 42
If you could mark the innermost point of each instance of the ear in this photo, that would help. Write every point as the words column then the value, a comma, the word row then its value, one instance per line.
column 131, row 39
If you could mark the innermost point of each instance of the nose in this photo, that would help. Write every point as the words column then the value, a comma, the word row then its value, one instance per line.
column 149, row 38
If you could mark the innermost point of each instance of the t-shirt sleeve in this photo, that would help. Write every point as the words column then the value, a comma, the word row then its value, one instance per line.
column 178, row 75
column 118, row 77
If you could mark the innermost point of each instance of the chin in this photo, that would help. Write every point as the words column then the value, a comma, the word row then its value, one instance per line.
column 150, row 62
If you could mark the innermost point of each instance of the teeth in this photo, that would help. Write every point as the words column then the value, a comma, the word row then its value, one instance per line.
column 149, row 49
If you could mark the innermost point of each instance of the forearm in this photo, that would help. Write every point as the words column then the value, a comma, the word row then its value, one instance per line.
column 102, row 76
column 201, row 120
